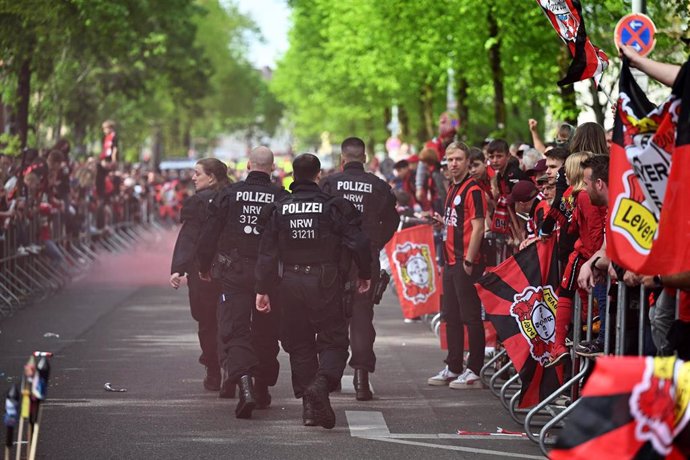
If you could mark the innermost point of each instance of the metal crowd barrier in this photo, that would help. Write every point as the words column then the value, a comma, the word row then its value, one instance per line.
column 502, row 379
column 500, row 376
column 41, row 254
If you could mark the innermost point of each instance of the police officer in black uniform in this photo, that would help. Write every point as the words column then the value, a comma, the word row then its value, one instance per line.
column 302, row 242
column 374, row 200
column 210, row 175
column 248, row 342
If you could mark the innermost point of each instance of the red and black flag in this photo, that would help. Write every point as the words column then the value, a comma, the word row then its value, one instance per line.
column 588, row 60
column 649, row 179
column 631, row 408
column 520, row 299
column 412, row 257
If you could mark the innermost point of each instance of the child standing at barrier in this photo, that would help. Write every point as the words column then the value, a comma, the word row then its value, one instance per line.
column 588, row 223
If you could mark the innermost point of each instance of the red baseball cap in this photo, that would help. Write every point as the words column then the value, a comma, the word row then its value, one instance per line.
column 523, row 191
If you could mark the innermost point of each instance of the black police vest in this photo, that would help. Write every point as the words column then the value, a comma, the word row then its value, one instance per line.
column 366, row 192
column 305, row 229
column 244, row 204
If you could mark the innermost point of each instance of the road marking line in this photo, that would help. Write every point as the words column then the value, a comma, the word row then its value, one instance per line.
column 371, row 425
column 456, row 436
column 366, row 424
column 473, row 450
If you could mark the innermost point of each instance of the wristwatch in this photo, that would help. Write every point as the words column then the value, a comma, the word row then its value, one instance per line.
column 467, row 263
column 657, row 280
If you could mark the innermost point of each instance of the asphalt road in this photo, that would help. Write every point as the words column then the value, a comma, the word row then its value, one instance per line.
column 121, row 323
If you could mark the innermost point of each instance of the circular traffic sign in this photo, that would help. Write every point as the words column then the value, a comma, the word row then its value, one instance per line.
column 636, row 30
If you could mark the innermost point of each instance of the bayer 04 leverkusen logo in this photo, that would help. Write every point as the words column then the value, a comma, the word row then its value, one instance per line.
column 659, row 403
column 534, row 309
column 416, row 269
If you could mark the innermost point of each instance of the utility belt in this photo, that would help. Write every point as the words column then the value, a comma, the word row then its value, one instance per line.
column 315, row 269
column 327, row 272
column 224, row 264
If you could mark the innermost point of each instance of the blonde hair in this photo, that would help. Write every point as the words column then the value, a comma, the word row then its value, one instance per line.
column 574, row 171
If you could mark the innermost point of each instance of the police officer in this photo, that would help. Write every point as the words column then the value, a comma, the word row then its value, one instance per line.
column 373, row 199
column 210, row 175
column 248, row 342
column 304, row 236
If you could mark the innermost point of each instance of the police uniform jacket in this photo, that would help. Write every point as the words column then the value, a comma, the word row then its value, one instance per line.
column 310, row 227
column 371, row 196
column 193, row 214
column 232, row 228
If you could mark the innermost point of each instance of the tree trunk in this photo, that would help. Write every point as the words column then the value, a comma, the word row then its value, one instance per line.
column 23, row 96
column 599, row 110
column 463, row 108
column 371, row 138
column 427, row 103
column 404, row 121
column 79, row 135
column 569, row 110
column 496, row 71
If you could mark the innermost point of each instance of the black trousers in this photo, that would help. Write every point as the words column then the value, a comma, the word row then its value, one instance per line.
column 248, row 340
column 461, row 307
column 362, row 332
column 203, row 300
column 313, row 329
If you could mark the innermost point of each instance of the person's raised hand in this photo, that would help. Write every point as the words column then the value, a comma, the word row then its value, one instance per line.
column 631, row 53
column 533, row 124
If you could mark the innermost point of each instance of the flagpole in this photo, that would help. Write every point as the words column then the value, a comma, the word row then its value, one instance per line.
column 639, row 6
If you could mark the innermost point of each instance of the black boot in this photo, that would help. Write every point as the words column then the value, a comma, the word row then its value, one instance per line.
column 227, row 388
column 247, row 400
column 212, row 379
column 308, row 417
column 361, row 383
column 263, row 397
column 316, row 395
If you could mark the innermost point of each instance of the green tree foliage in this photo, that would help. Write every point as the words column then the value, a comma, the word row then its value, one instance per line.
column 171, row 70
column 349, row 61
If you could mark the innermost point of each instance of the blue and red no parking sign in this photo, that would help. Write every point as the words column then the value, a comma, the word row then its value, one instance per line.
column 636, row 30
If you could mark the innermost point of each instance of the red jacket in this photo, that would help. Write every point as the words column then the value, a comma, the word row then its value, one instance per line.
column 588, row 222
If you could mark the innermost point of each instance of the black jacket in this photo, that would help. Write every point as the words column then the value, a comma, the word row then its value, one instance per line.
column 193, row 215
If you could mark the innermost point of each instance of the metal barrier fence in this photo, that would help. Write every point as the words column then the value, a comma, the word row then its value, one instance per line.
column 41, row 252
column 543, row 420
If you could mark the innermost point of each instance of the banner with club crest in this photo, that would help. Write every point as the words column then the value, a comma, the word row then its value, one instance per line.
column 412, row 257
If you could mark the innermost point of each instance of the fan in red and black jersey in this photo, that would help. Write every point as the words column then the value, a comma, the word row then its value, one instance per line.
column 109, row 149
column 463, row 221
column 508, row 173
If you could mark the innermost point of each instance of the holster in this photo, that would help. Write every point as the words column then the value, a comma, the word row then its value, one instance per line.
column 224, row 264
column 380, row 287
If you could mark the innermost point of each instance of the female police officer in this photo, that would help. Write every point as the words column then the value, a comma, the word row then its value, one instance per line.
column 210, row 175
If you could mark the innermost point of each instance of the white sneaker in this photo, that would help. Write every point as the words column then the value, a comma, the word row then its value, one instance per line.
column 467, row 379
column 443, row 378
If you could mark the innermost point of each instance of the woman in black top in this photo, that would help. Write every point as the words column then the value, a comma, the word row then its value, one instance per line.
column 210, row 175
